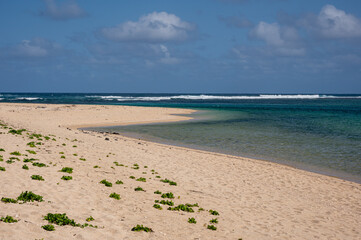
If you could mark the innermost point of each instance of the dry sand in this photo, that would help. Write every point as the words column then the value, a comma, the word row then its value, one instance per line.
column 255, row 199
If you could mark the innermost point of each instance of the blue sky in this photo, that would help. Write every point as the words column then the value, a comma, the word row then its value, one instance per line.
column 203, row 46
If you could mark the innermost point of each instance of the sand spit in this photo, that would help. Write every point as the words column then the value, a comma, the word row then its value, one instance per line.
column 254, row 199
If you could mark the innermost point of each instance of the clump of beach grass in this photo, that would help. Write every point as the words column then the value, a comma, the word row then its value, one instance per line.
column 37, row 164
column 29, row 197
column 37, row 177
column 31, row 151
column 167, row 195
column 115, row 196
column 66, row 178
column 181, row 207
column 214, row 220
column 106, row 183
column 67, row 170
column 157, row 192
column 139, row 228
column 169, row 181
column 157, row 206
column 213, row 212
column 16, row 153
column 118, row 182
column 212, row 227
column 48, row 227
column 8, row 219
column 141, row 179
column 8, row 200
column 2, row 169
column 192, row 220
column 137, row 189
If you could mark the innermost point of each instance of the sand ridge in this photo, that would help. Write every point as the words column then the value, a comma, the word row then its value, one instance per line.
column 255, row 199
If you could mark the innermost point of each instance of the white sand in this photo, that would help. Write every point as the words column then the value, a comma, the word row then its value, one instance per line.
column 255, row 199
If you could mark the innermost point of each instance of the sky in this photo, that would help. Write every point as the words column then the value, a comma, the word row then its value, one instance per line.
column 171, row 46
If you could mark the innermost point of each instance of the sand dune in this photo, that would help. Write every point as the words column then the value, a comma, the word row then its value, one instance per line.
column 255, row 199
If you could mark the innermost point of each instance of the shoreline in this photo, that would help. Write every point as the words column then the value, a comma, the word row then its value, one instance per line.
column 256, row 199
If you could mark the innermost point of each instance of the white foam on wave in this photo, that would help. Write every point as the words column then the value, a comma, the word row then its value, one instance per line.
column 28, row 98
column 219, row 97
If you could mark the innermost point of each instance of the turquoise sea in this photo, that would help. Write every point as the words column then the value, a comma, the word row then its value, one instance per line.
column 320, row 133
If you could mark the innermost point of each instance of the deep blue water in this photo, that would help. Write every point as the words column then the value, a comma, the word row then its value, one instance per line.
column 316, row 132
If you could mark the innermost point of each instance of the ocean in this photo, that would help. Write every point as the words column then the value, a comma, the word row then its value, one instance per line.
column 315, row 132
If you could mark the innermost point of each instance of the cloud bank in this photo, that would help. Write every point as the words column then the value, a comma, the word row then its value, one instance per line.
column 65, row 11
column 154, row 27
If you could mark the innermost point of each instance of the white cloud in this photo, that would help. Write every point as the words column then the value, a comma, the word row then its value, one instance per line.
column 335, row 23
column 154, row 27
column 27, row 48
column 65, row 11
column 281, row 40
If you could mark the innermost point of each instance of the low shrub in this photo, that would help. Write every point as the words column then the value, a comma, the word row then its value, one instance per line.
column 192, row 220
column 67, row 178
column 106, row 183
column 48, row 227
column 8, row 219
column 115, row 196
column 37, row 177
column 67, row 170
column 139, row 228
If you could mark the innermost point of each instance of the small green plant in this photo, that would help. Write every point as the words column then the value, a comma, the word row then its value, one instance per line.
column 157, row 206
column 67, row 170
column 166, row 202
column 141, row 179
column 96, row 166
column 25, row 167
column 169, row 181
column 48, row 227
column 74, row 146
column 37, row 177
column 214, row 220
column 106, row 183
column 2, row 150
column 29, row 159
column 29, row 197
column 2, row 169
column 139, row 228
column 47, row 138
column 192, row 205
column 115, row 196
column 18, row 132
column 67, row 178
column 61, row 152
column 167, row 195
column 8, row 219
column 31, row 151
column 31, row 144
column 16, row 153
column 60, row 219
column 62, row 156
column 181, row 207
column 8, row 200
column 201, row 209
column 212, row 227
column 213, row 212
column 82, row 159
column 37, row 164
column 89, row 219
column 157, row 176
column 135, row 166
column 139, row 189
column 10, row 161
column 157, row 192
column 75, row 154
column 132, row 177
column 118, row 182
column 192, row 220
column 63, row 144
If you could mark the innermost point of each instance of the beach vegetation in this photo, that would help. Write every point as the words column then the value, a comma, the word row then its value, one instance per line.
column 60, row 219
column 192, row 220
column 2, row 150
column 67, row 178
column 192, row 205
column 67, row 170
column 181, row 207
column 61, row 152
column 37, row 177
column 118, row 182
column 169, row 181
column 141, row 179
column 8, row 200
column 10, row 161
column 8, row 219
column 96, row 166
column 214, row 220
column 89, row 219
column 139, row 228
column 17, row 132
column 212, row 227
column 63, row 144
column 31, row 144
column 29, row 159
column 106, row 183
column 157, row 192
column 166, row 202
column 29, row 197
column 75, row 154
column 62, row 156
column 213, row 212
column 16, row 153
column 157, row 206
column 82, row 159
column 48, row 227
column 25, row 167
column 31, row 151
column 115, row 196
column 2, row 169
column 74, row 146
column 157, row 176
column 145, row 166
column 47, row 138
column 167, row 195
column 37, row 164
column 137, row 189
column 132, row 177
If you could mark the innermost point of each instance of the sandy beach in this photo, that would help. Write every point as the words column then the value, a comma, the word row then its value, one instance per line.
column 254, row 199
